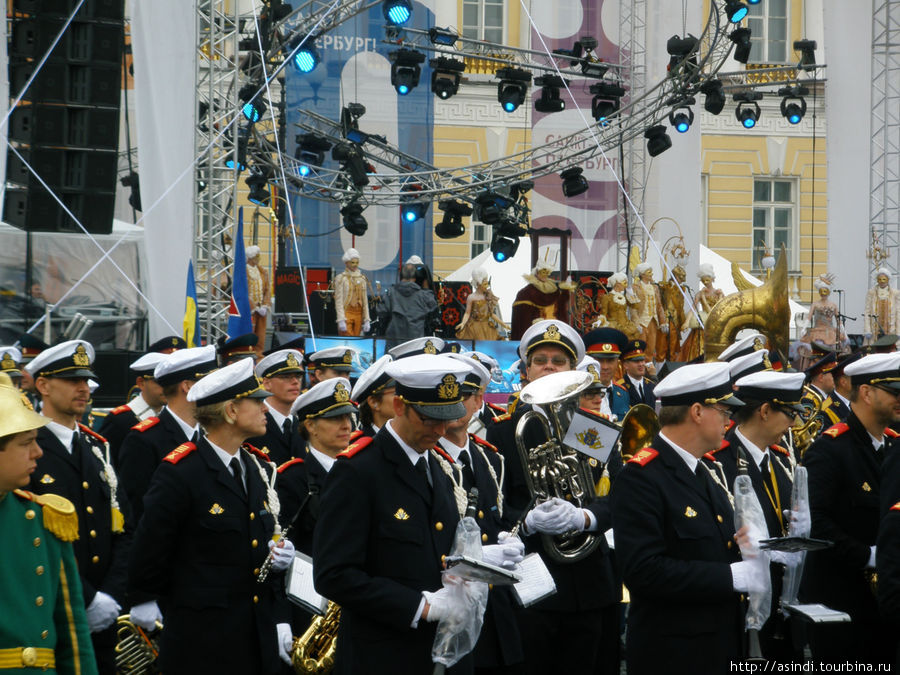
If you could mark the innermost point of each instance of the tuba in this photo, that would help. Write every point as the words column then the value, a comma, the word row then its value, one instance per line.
column 313, row 652
column 136, row 650
column 551, row 468
column 639, row 426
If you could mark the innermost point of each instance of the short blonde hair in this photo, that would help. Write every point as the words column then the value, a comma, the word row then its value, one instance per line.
column 211, row 415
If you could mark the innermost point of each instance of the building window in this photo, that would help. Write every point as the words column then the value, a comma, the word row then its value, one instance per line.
column 483, row 20
column 768, row 23
column 774, row 218
column 481, row 237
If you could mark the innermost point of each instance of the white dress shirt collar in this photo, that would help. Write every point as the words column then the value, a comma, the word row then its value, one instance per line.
column 276, row 416
column 64, row 434
column 188, row 430
column 757, row 454
column 688, row 458
column 326, row 461
column 409, row 450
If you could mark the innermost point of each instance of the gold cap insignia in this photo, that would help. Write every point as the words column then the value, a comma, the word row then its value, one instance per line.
column 341, row 395
column 216, row 510
column 690, row 513
column 348, row 356
column 767, row 364
column 592, row 461
column 7, row 363
column 46, row 479
column 80, row 358
column 400, row 514
column 475, row 358
column 292, row 362
column 758, row 344
column 592, row 369
column 174, row 341
column 552, row 333
column 429, row 347
column 449, row 390
column 866, row 488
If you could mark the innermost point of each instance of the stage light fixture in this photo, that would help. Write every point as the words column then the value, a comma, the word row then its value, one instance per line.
column 442, row 36
column 505, row 239
column 682, row 50
column 735, row 10
column 243, row 138
column 573, row 54
column 741, row 39
column 793, row 105
column 752, row 2
column 252, row 105
column 306, row 58
column 280, row 10
column 574, row 183
column 807, row 49
column 413, row 211
column 550, row 102
column 658, row 140
column 491, row 206
column 256, row 181
column 311, row 149
column 133, row 181
column 606, row 100
column 405, row 69
column 715, row 96
column 445, row 76
column 451, row 226
column 353, row 162
column 396, row 12
column 682, row 117
column 747, row 111
column 354, row 221
column 512, row 87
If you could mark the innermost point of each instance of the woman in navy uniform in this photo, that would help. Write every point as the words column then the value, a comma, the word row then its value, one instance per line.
column 209, row 514
column 282, row 376
column 374, row 394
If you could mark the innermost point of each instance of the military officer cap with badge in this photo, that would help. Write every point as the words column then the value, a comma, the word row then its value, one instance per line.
column 744, row 346
column 486, row 360
column 373, row 381
column 605, row 343
column 431, row 385
column 30, row 347
column 476, row 380
column 704, row 383
column 634, row 350
column 423, row 345
column 282, row 362
column 10, row 360
column 783, row 389
column 234, row 381
column 240, row 347
column 451, row 348
column 336, row 358
column 145, row 366
column 845, row 361
column 749, row 363
column 589, row 365
column 551, row 332
column 70, row 360
column 824, row 365
column 168, row 344
column 185, row 364
column 330, row 398
column 876, row 370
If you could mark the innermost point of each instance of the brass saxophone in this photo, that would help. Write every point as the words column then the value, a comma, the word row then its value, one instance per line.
column 136, row 650
column 313, row 652
column 809, row 424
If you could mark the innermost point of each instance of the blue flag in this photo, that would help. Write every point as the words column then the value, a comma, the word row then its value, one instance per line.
column 239, row 320
column 191, row 323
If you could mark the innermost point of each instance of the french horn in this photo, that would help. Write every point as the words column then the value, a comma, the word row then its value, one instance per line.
column 136, row 649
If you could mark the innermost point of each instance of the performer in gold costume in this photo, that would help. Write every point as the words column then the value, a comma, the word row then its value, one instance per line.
column 482, row 319
column 669, row 345
column 541, row 299
column 704, row 301
column 824, row 321
column 650, row 316
column 351, row 297
column 614, row 307
column 882, row 315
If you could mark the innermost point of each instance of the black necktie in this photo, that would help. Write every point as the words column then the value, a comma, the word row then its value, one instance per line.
column 467, row 472
column 287, row 429
column 238, row 471
column 767, row 476
column 640, row 389
column 422, row 468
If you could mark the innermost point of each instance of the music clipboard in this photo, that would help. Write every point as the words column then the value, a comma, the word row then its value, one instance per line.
column 794, row 544
column 472, row 569
column 537, row 582
column 298, row 585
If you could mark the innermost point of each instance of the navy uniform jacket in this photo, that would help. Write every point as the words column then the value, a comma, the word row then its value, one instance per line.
column 197, row 551
column 115, row 428
column 633, row 397
column 80, row 477
column 142, row 451
column 834, row 411
column 889, row 546
column 844, row 491
column 674, row 542
column 377, row 545
column 280, row 447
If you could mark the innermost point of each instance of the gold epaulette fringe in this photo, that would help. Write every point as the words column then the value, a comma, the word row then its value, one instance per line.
column 59, row 516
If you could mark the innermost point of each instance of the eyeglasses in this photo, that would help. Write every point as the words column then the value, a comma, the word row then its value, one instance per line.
column 784, row 410
column 724, row 412
column 889, row 390
column 429, row 422
column 541, row 360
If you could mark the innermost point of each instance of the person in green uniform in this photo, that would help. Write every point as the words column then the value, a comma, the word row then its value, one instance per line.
column 43, row 624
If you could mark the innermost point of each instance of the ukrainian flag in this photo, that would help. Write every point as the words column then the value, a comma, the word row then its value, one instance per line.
column 191, row 325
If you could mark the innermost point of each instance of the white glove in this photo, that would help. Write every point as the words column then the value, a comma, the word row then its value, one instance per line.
column 555, row 517
column 789, row 559
column 342, row 326
column 800, row 522
column 102, row 612
column 507, row 553
column 366, row 326
column 750, row 576
column 282, row 554
column 285, row 642
column 146, row 615
column 262, row 310
column 444, row 605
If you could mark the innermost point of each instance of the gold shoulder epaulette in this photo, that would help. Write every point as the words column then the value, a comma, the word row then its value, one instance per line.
column 290, row 463
column 180, row 453
column 836, row 430
column 146, row 424
column 354, row 448
column 60, row 518
column 621, row 382
column 644, row 457
column 511, row 406
column 90, row 432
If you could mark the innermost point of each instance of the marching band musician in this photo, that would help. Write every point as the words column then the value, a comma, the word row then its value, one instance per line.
column 844, row 473
column 837, row 406
column 374, row 394
column 387, row 515
column 480, row 465
column 331, row 362
column 636, row 382
column 577, row 628
column 605, row 345
column 593, row 398
column 149, row 441
column 489, row 413
column 43, row 624
column 75, row 464
column 820, row 380
column 888, row 547
column 771, row 402
column 209, row 512
column 282, row 376
column 674, row 535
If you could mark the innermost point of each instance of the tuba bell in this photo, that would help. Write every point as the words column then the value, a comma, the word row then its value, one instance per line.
column 808, row 424
column 639, row 426
column 551, row 468
column 136, row 650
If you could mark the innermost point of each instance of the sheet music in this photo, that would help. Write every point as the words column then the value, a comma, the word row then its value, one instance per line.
column 537, row 582
column 818, row 613
column 299, row 585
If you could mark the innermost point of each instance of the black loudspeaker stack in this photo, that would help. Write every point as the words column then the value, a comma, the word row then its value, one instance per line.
column 66, row 127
